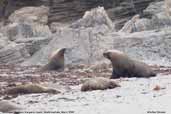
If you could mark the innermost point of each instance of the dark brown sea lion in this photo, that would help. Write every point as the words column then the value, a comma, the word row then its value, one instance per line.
column 98, row 83
column 124, row 66
column 56, row 61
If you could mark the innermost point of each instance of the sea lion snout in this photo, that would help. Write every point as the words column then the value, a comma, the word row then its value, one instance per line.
column 66, row 50
column 63, row 50
column 106, row 55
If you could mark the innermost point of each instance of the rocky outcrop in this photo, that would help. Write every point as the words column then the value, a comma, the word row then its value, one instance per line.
column 11, row 5
column 88, row 43
column 95, row 17
column 70, row 10
column 30, row 15
column 13, row 54
column 3, row 41
column 82, row 40
column 157, row 18
column 26, row 30
column 26, row 33
column 34, row 44
column 119, row 11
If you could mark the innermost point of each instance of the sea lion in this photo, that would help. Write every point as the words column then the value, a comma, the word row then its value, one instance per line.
column 6, row 107
column 56, row 61
column 124, row 66
column 29, row 89
column 98, row 83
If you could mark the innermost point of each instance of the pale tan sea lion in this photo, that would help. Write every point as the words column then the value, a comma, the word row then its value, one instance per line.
column 30, row 89
column 99, row 83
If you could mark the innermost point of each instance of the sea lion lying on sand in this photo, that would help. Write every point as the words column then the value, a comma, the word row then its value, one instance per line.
column 123, row 66
column 29, row 89
column 99, row 83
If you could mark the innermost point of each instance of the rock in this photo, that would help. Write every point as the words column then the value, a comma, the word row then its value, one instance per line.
column 167, row 7
column 154, row 8
column 136, row 25
column 22, row 30
column 15, row 30
column 28, row 22
column 157, row 18
column 29, row 89
column 129, row 26
column 7, row 107
column 30, row 15
column 13, row 5
column 34, row 44
column 95, row 17
column 125, row 10
column 64, row 11
column 3, row 41
column 13, row 53
column 99, row 83
column 68, row 11
column 119, row 11
column 88, row 44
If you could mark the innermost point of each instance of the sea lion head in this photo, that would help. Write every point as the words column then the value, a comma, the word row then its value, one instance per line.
column 113, row 54
column 56, row 60
column 59, row 52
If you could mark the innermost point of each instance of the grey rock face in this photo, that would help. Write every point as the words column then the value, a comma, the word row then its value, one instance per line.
column 26, row 34
column 23, row 30
column 15, row 30
column 11, row 5
column 157, row 19
column 3, row 41
column 86, row 47
column 30, row 15
column 88, row 43
column 13, row 53
column 66, row 10
column 28, row 22
column 34, row 44
column 95, row 17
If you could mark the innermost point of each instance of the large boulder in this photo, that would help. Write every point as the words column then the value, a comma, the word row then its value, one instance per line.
column 13, row 53
column 26, row 30
column 28, row 22
column 34, row 44
column 30, row 15
column 157, row 18
column 95, row 17
column 3, row 41
column 12, row 5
